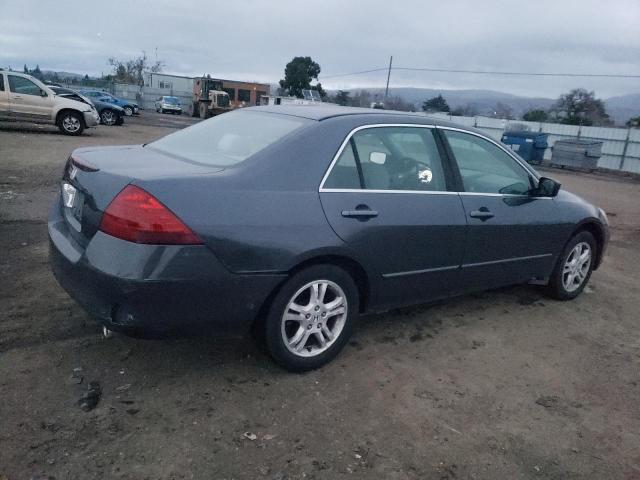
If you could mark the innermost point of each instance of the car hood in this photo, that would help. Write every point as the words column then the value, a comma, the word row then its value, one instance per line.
column 112, row 106
column 69, row 102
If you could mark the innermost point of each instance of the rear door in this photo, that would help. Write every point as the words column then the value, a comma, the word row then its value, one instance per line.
column 512, row 236
column 387, row 196
column 27, row 100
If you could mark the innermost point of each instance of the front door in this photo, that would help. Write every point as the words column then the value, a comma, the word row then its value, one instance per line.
column 27, row 100
column 387, row 197
column 512, row 235
column 4, row 96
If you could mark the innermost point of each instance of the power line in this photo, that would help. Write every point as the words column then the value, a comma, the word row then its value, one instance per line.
column 532, row 74
column 486, row 72
column 354, row 73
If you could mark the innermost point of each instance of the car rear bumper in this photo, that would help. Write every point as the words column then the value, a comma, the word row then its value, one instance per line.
column 137, row 288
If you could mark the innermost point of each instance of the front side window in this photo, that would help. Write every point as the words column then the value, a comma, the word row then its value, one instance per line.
column 1, row 82
column 228, row 139
column 390, row 158
column 485, row 167
column 23, row 86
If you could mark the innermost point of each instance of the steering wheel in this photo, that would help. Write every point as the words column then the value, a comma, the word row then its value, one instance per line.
column 404, row 173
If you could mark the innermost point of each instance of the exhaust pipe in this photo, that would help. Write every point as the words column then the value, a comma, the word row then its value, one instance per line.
column 106, row 333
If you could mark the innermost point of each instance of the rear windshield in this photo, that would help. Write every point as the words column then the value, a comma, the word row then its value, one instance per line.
column 229, row 138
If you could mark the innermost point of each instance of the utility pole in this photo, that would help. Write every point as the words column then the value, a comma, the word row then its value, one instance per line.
column 386, row 90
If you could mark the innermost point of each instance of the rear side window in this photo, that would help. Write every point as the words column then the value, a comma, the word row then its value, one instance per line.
column 389, row 158
column 228, row 139
column 23, row 86
column 1, row 82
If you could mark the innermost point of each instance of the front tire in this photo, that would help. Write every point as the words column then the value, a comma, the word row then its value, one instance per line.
column 574, row 267
column 71, row 123
column 311, row 318
column 108, row 117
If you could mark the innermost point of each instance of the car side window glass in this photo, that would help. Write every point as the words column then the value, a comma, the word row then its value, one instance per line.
column 23, row 86
column 344, row 174
column 485, row 167
column 1, row 82
column 400, row 158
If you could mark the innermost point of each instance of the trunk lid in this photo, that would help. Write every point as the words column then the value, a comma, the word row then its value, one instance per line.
column 97, row 174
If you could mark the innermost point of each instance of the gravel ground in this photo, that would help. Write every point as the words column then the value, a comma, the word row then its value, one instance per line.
column 503, row 384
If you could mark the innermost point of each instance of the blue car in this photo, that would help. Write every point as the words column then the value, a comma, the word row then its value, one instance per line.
column 129, row 107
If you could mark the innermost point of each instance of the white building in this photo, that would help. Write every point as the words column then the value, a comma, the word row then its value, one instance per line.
column 172, row 84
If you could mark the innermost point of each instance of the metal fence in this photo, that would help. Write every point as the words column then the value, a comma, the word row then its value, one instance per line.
column 620, row 146
column 146, row 96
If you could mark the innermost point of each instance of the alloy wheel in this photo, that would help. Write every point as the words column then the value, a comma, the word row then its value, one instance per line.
column 71, row 124
column 108, row 117
column 576, row 267
column 314, row 318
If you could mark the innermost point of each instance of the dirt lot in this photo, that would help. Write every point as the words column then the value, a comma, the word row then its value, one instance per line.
column 505, row 384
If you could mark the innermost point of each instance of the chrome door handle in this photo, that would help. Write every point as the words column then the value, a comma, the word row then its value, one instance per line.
column 359, row 213
column 482, row 214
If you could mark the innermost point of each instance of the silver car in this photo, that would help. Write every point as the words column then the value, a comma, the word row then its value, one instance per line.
column 168, row 104
column 24, row 97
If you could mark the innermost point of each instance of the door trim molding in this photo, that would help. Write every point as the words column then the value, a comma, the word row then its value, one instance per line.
column 506, row 260
column 418, row 272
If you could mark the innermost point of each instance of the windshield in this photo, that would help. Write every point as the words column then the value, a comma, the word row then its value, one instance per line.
column 171, row 101
column 229, row 138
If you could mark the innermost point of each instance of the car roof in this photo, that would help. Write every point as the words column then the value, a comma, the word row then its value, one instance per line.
column 324, row 111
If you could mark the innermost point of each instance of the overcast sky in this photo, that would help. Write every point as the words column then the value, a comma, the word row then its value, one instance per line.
column 253, row 40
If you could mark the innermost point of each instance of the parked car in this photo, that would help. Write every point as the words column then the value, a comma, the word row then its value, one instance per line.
column 129, row 107
column 110, row 114
column 297, row 219
column 24, row 97
column 168, row 104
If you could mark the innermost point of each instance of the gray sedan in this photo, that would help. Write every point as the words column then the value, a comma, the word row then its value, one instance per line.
column 295, row 220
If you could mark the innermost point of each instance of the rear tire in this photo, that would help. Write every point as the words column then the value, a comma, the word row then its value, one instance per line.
column 311, row 318
column 71, row 123
column 574, row 267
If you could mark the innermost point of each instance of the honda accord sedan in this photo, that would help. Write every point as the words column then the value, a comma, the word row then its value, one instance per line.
column 294, row 220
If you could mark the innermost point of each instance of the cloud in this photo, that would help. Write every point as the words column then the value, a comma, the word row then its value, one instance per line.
column 251, row 39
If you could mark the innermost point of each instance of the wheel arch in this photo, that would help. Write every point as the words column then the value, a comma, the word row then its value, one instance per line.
column 351, row 266
column 73, row 110
column 595, row 228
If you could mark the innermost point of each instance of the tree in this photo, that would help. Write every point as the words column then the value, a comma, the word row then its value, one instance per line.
column 468, row 110
column 36, row 72
column 362, row 99
column 398, row 103
column 502, row 110
column 298, row 74
column 26, row 69
column 436, row 104
column 535, row 115
column 633, row 122
column 343, row 98
column 580, row 107
column 131, row 71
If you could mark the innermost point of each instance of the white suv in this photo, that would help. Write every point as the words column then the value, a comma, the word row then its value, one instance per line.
column 24, row 97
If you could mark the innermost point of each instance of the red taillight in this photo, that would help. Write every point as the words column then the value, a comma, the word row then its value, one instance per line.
column 137, row 216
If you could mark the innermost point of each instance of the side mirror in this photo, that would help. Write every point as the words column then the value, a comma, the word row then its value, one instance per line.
column 547, row 187
column 378, row 158
column 43, row 93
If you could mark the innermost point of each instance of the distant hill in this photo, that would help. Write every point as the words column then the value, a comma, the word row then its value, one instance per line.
column 620, row 108
column 624, row 107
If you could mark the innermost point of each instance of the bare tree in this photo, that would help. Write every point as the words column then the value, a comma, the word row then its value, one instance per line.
column 132, row 71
